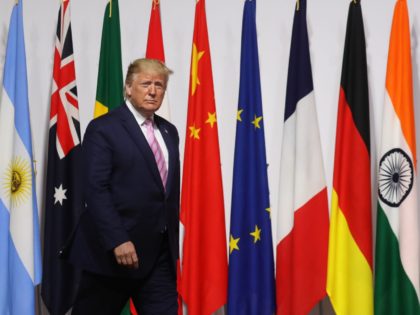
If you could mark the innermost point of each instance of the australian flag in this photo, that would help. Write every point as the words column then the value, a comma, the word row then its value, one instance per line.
column 251, row 286
column 64, row 201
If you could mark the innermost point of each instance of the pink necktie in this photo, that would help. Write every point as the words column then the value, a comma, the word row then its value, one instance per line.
column 157, row 151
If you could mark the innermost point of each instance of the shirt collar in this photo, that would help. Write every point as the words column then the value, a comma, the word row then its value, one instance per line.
column 139, row 117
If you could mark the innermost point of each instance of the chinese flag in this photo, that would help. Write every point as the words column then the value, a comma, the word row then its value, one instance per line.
column 204, row 264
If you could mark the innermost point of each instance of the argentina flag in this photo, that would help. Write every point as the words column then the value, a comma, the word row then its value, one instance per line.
column 20, row 258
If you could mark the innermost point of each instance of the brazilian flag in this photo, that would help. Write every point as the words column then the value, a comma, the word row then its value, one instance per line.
column 109, row 90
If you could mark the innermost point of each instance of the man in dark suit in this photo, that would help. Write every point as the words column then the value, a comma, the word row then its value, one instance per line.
column 127, row 239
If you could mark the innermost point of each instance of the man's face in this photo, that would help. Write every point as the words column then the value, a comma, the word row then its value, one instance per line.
column 146, row 92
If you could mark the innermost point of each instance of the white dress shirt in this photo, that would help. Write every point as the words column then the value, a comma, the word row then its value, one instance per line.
column 140, row 120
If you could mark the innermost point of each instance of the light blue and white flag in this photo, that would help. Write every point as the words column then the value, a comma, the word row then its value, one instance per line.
column 20, row 256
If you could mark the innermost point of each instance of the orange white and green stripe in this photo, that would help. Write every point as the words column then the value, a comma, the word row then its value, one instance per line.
column 397, row 233
column 350, row 264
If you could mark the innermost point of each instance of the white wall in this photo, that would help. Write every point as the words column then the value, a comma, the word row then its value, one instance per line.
column 326, row 22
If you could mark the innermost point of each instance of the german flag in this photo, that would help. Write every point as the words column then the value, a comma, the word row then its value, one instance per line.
column 349, row 276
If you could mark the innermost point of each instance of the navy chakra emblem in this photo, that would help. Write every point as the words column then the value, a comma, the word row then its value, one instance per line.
column 395, row 177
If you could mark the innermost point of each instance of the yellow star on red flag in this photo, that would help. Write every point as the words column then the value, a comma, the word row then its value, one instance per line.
column 196, row 56
column 194, row 132
column 211, row 119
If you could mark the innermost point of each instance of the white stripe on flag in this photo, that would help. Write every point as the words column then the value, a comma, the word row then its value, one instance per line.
column 301, row 168
column 20, row 204
column 7, row 112
column 403, row 220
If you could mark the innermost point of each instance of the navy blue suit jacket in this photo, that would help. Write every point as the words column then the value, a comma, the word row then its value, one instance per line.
column 125, row 197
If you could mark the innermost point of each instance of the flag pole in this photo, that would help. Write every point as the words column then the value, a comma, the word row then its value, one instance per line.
column 110, row 8
column 34, row 161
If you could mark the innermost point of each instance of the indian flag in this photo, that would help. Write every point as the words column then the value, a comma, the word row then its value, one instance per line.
column 397, row 233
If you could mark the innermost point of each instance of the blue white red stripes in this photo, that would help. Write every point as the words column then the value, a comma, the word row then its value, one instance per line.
column 302, row 229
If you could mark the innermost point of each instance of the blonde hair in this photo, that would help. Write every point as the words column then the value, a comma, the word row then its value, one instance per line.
column 147, row 65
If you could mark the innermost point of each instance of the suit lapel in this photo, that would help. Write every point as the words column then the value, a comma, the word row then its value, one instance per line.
column 133, row 129
column 172, row 156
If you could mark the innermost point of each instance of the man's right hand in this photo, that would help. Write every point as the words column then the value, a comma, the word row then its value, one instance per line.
column 126, row 255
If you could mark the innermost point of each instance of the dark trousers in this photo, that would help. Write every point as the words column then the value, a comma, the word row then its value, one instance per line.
column 154, row 295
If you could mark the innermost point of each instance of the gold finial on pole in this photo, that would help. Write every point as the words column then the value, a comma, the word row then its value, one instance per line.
column 297, row 5
column 355, row 2
column 110, row 8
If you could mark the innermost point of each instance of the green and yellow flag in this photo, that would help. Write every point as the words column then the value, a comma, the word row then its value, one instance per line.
column 109, row 90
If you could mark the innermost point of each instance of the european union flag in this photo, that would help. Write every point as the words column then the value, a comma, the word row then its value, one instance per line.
column 251, row 264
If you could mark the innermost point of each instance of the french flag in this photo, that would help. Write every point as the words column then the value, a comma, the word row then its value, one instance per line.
column 303, row 218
